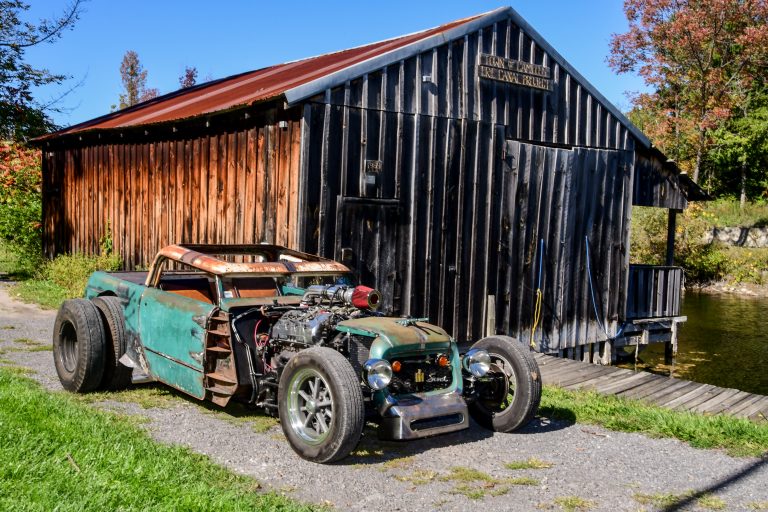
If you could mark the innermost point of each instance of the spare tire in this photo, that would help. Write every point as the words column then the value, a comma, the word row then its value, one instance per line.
column 79, row 346
column 116, row 376
column 509, row 394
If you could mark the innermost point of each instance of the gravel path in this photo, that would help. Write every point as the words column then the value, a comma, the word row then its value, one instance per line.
column 611, row 470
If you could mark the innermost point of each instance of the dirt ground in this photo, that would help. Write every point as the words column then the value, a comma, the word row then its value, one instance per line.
column 587, row 465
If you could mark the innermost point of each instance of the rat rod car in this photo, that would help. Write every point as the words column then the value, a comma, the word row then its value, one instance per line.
column 287, row 332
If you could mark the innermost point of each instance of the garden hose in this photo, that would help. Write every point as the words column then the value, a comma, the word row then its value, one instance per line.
column 539, row 297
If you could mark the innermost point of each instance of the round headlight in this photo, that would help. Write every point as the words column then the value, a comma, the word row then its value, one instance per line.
column 377, row 373
column 477, row 362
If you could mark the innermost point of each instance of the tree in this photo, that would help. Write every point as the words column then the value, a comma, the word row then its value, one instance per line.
column 134, row 78
column 699, row 56
column 21, row 115
column 189, row 77
column 741, row 146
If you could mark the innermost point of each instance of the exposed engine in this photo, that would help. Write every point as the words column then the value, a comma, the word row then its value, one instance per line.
column 269, row 335
column 309, row 326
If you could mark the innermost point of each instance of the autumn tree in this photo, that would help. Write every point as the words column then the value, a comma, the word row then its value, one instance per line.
column 188, row 78
column 21, row 115
column 134, row 78
column 701, row 58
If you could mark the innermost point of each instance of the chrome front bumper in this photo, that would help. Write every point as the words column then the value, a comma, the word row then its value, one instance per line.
column 421, row 415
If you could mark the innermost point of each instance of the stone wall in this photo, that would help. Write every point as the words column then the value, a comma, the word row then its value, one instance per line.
column 741, row 237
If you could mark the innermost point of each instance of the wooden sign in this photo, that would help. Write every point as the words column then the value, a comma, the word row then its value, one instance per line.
column 514, row 72
column 373, row 166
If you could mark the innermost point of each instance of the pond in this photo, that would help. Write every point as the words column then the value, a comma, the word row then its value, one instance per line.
column 724, row 342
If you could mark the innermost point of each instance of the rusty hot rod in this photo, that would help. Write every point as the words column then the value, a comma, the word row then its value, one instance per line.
column 289, row 333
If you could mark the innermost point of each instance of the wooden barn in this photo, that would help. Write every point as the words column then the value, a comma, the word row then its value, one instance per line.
column 461, row 170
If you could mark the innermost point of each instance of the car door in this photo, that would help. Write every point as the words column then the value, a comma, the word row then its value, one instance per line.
column 173, row 328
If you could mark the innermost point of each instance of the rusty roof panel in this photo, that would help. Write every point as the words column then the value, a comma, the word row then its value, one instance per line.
column 247, row 88
column 277, row 261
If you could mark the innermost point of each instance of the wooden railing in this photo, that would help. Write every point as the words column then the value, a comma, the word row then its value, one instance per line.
column 654, row 292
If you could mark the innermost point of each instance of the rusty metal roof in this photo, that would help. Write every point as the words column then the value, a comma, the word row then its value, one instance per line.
column 260, row 85
column 272, row 260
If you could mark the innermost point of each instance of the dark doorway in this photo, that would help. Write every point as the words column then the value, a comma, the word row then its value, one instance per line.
column 366, row 242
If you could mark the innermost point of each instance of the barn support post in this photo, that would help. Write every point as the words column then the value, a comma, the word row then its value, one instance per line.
column 671, row 225
column 670, row 347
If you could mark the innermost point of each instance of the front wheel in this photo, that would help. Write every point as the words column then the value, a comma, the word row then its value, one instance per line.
column 508, row 395
column 321, row 405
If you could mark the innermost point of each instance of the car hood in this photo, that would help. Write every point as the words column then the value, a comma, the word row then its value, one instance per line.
column 398, row 333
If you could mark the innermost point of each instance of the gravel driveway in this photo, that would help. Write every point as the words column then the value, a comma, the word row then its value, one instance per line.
column 589, row 465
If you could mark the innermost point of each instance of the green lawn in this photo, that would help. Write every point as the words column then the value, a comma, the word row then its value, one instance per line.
column 59, row 454
column 739, row 437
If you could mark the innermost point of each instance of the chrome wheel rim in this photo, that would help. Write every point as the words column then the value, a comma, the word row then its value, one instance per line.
column 498, row 392
column 310, row 406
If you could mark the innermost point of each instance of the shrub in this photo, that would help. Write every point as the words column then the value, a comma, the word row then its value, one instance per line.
column 20, row 198
column 71, row 272
column 701, row 261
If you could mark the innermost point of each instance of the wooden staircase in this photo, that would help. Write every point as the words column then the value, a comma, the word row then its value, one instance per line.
column 220, row 375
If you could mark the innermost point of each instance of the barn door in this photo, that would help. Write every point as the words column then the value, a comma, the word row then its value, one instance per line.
column 366, row 242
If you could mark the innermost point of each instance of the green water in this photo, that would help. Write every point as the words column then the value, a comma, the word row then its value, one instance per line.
column 724, row 342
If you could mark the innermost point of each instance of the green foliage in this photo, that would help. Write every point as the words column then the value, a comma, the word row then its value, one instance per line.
column 21, row 116
column 20, row 200
column 739, row 437
column 59, row 454
column 702, row 261
column 44, row 293
column 741, row 147
column 701, row 60
column 134, row 78
column 63, row 278
column 71, row 272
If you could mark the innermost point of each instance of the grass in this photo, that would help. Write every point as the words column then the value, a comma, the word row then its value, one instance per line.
column 27, row 341
column 710, row 502
column 475, row 484
column 42, row 292
column 532, row 463
column 739, row 437
column 150, row 396
column 417, row 477
column 238, row 414
column 758, row 505
column 668, row 501
column 60, row 454
column 574, row 503
column 726, row 213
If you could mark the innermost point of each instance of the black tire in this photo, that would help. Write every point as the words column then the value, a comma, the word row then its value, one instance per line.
column 343, row 431
column 514, row 373
column 116, row 376
column 79, row 346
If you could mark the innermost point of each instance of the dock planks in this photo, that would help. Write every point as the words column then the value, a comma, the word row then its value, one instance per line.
column 671, row 393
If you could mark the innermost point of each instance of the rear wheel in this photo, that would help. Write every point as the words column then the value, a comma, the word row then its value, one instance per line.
column 79, row 346
column 116, row 376
column 321, row 405
column 508, row 395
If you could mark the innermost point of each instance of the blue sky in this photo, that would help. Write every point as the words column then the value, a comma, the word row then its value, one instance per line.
column 231, row 36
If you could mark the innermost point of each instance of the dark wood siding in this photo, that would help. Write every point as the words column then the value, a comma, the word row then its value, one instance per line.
column 443, row 82
column 238, row 186
column 481, row 172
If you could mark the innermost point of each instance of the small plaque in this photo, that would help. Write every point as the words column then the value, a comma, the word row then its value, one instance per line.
column 373, row 166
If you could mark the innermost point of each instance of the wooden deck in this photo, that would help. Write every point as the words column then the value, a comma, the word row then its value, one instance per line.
column 677, row 394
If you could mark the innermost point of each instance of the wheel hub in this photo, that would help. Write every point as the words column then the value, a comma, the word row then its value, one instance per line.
column 310, row 406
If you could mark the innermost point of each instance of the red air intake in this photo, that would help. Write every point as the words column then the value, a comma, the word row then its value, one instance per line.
column 365, row 298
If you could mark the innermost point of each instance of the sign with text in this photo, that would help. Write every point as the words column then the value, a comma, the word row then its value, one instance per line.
column 514, row 72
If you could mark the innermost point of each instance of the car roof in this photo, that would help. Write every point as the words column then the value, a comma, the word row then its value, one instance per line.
column 261, row 259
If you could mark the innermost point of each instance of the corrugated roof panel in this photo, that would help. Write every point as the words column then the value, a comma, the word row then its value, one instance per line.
column 247, row 88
